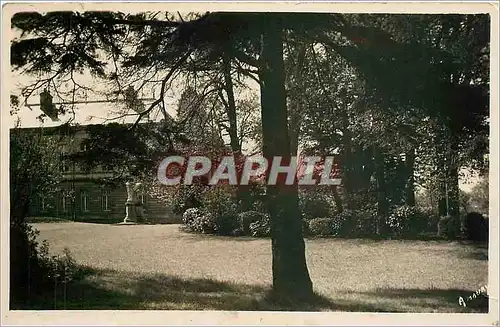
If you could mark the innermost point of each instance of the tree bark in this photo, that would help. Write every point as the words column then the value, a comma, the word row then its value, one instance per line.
column 295, row 128
column 442, row 197
column 290, row 273
column 453, row 183
column 410, row 181
column 382, row 203
column 440, row 139
column 346, row 159
column 296, row 102
column 231, row 104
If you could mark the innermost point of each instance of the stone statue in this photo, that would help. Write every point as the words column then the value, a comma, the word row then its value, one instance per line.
column 130, row 192
column 139, row 206
column 134, row 209
column 130, row 213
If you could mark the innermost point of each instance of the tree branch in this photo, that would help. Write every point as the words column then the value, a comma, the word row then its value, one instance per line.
column 161, row 23
column 162, row 90
column 247, row 59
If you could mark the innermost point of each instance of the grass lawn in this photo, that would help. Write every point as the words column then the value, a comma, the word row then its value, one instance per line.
column 160, row 267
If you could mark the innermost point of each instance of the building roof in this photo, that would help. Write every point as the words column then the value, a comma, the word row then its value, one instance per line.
column 67, row 128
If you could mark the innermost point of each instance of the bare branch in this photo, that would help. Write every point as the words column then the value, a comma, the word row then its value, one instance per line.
column 160, row 23
column 247, row 72
column 163, row 87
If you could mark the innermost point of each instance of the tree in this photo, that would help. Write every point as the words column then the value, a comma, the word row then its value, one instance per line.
column 197, row 120
column 290, row 274
column 446, row 57
column 441, row 111
column 35, row 172
column 479, row 197
column 67, row 42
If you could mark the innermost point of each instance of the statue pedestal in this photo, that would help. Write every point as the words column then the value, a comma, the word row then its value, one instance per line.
column 134, row 210
column 130, row 214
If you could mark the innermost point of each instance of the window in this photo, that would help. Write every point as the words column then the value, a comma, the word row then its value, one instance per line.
column 105, row 200
column 64, row 162
column 67, row 199
column 64, row 203
column 83, row 146
column 143, row 198
column 84, row 200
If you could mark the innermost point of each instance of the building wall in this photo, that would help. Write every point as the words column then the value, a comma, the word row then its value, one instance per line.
column 89, row 196
column 94, row 203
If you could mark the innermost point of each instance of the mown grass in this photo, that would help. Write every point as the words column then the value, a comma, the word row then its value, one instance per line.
column 114, row 290
column 159, row 267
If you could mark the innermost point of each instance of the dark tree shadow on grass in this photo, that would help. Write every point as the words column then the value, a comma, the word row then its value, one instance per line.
column 113, row 290
column 476, row 254
column 479, row 250
column 435, row 298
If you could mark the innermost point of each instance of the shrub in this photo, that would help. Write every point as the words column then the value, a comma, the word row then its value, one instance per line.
column 314, row 204
column 347, row 219
column 186, row 197
column 216, row 215
column 23, row 258
column 226, row 223
column 190, row 215
column 337, row 225
column 220, row 204
column 322, row 226
column 61, row 267
column 196, row 220
column 245, row 219
column 476, row 227
column 237, row 232
column 219, row 199
column 432, row 221
column 44, row 270
column 361, row 200
column 448, row 227
column 479, row 197
column 354, row 223
column 261, row 228
column 364, row 222
column 204, row 224
column 251, row 196
column 407, row 220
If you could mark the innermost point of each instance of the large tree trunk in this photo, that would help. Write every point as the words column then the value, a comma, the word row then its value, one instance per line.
column 410, row 181
column 442, row 198
column 290, row 273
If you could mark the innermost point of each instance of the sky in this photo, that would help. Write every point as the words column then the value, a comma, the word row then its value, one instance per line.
column 91, row 113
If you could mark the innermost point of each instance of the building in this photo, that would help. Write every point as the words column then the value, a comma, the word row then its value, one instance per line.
column 85, row 195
